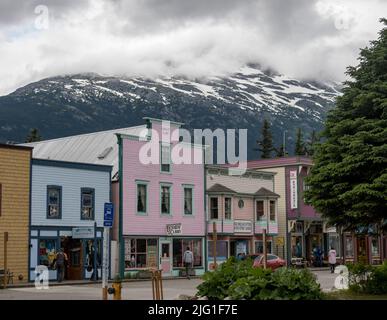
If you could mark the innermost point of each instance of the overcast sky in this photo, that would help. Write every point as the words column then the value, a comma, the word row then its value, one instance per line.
column 313, row 39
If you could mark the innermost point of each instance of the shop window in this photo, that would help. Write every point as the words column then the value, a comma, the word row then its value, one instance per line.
column 375, row 247
column 179, row 247
column 165, row 200
column 348, row 246
column 272, row 210
column 188, row 201
column 165, row 158
column 93, row 252
column 54, row 202
column 260, row 209
column 47, row 252
column 141, row 198
column 227, row 208
column 299, row 227
column 214, row 208
column 296, row 243
column 140, row 253
column 334, row 242
column 87, row 204
column 259, row 246
column 221, row 249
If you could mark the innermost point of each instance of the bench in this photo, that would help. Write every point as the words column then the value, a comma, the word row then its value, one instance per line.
column 9, row 276
column 299, row 262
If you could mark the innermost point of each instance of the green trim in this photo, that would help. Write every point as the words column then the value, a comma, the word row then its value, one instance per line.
column 232, row 213
column 170, row 157
column 120, row 225
column 168, row 185
column 143, row 183
column 192, row 187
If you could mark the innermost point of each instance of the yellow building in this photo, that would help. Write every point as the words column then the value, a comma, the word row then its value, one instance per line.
column 15, row 180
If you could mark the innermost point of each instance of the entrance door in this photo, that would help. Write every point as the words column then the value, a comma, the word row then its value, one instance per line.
column 74, row 252
column 165, row 258
column 362, row 252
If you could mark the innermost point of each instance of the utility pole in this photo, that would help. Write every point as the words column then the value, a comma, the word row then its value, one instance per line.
column 5, row 259
column 215, row 238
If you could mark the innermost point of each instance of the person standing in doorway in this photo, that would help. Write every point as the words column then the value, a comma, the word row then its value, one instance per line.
column 332, row 259
column 60, row 262
column 188, row 259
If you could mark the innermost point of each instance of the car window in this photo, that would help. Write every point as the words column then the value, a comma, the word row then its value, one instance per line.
column 257, row 259
column 271, row 257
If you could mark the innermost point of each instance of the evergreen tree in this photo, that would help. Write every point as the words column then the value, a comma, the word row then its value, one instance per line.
column 314, row 138
column 33, row 136
column 280, row 151
column 265, row 145
column 348, row 182
column 300, row 145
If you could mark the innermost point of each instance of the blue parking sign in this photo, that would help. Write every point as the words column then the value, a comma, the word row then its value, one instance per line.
column 108, row 215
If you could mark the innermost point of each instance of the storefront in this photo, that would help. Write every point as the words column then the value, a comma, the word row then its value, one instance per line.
column 165, row 253
column 79, row 245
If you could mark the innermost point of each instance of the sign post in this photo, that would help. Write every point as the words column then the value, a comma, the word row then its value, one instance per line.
column 107, row 224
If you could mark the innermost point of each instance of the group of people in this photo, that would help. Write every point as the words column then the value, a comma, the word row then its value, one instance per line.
column 318, row 258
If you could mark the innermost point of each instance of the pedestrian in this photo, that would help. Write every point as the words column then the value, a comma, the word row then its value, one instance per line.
column 60, row 262
column 332, row 259
column 188, row 259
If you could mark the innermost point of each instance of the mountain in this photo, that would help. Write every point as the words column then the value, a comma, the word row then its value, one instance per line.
column 73, row 104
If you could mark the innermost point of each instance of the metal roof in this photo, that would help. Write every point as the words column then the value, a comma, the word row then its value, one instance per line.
column 96, row 148
column 219, row 188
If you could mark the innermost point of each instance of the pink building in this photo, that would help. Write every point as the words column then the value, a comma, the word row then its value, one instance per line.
column 161, row 207
column 241, row 206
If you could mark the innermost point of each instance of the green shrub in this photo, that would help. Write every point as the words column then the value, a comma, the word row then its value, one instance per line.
column 239, row 280
column 368, row 279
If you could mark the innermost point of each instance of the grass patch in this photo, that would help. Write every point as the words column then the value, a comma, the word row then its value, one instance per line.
column 348, row 295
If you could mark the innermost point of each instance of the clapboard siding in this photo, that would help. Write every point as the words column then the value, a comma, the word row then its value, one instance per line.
column 15, row 166
column 280, row 189
column 71, row 181
column 154, row 223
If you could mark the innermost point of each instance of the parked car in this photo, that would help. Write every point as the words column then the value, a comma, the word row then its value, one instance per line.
column 273, row 262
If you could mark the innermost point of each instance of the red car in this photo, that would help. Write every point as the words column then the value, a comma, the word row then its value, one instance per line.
column 273, row 262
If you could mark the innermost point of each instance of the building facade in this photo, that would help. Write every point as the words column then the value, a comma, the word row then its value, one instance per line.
column 161, row 202
column 67, row 208
column 300, row 226
column 240, row 207
column 15, row 180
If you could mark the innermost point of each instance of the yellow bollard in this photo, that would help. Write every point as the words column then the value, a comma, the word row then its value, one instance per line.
column 117, row 290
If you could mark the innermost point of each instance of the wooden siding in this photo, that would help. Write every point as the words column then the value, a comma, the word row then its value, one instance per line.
column 15, row 167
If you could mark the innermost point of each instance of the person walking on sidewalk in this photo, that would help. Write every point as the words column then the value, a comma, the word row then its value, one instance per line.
column 60, row 263
column 332, row 259
column 187, row 259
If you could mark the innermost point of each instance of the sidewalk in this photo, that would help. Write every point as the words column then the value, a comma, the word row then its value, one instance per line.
column 85, row 282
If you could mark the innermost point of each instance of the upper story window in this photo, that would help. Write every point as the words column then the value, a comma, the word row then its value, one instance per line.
column 260, row 211
column 214, row 208
column 188, row 200
column 141, row 198
column 87, row 204
column 165, row 200
column 227, row 208
column 272, row 206
column 54, row 202
column 165, row 165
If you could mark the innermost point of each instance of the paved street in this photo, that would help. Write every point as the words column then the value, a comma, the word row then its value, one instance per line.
column 141, row 290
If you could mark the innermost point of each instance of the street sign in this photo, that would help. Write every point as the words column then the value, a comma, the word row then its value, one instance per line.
column 108, row 215
column 279, row 241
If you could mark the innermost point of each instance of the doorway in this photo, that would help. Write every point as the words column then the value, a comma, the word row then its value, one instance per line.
column 165, row 258
column 362, row 249
column 74, row 252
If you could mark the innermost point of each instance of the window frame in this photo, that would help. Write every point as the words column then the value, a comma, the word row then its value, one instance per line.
column 231, row 215
column 267, row 243
column 92, row 190
column 217, row 208
column 163, row 144
column 262, row 218
column 165, row 185
column 59, row 189
column 275, row 210
column 188, row 186
column 142, row 183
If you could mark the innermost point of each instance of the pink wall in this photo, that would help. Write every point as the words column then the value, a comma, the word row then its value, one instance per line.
column 154, row 223
column 247, row 212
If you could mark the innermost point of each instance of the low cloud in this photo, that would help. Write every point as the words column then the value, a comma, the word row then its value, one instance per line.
column 300, row 38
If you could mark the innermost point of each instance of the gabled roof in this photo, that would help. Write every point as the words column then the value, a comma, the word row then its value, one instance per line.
column 219, row 188
column 96, row 148
column 263, row 192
